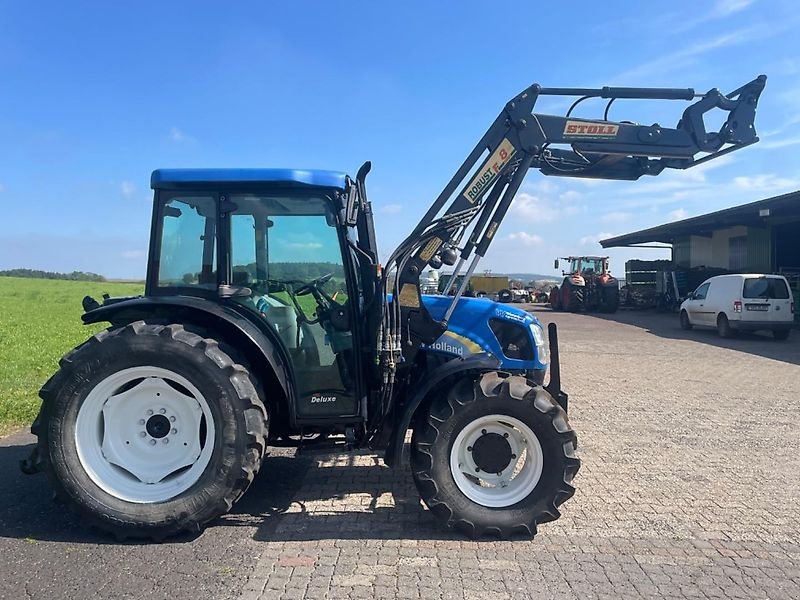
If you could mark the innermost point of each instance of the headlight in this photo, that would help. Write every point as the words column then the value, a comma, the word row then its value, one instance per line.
column 542, row 348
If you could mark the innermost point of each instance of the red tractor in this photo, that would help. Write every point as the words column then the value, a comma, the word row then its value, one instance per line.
column 587, row 285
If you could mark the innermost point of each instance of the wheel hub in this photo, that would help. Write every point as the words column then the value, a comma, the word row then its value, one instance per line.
column 492, row 453
column 158, row 426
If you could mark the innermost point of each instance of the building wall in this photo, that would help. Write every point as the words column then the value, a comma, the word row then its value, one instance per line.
column 701, row 251
column 759, row 250
column 715, row 251
column 720, row 242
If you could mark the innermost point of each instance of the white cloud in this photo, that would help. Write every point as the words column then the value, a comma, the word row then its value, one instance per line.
column 616, row 217
column 765, row 183
column 679, row 214
column 178, row 136
column 127, row 188
column 728, row 7
column 774, row 144
column 391, row 209
column 528, row 207
column 133, row 254
column 595, row 239
column 685, row 56
column 526, row 239
column 304, row 245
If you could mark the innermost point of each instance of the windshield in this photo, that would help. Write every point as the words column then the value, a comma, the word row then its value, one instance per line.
column 582, row 265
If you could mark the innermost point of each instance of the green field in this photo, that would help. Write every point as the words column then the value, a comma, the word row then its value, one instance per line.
column 39, row 322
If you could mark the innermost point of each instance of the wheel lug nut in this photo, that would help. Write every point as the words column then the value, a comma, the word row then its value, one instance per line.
column 165, row 440
column 174, row 431
column 477, row 469
column 513, row 456
column 149, row 411
column 152, row 442
column 163, row 411
column 469, row 448
column 483, row 431
column 141, row 421
column 505, row 435
column 142, row 434
column 172, row 419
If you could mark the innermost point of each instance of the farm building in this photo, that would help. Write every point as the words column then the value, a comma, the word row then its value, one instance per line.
column 759, row 237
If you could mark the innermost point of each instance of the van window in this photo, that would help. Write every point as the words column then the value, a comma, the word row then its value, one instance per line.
column 701, row 292
column 772, row 288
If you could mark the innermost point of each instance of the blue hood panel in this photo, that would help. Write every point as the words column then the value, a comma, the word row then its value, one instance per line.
column 468, row 330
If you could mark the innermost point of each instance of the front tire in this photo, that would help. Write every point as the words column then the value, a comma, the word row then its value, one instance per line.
column 686, row 324
column 150, row 430
column 458, row 448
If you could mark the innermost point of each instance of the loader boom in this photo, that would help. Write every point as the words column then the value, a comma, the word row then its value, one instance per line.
column 464, row 218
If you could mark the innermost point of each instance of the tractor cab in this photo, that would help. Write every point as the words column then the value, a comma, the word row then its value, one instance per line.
column 270, row 245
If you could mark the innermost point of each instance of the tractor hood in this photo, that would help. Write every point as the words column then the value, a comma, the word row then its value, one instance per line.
column 471, row 330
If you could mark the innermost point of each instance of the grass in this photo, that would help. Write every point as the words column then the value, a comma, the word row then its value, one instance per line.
column 39, row 323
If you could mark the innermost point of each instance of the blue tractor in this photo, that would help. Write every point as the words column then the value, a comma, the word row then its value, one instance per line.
column 267, row 320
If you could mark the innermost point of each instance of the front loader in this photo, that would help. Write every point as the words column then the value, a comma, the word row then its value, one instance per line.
column 268, row 320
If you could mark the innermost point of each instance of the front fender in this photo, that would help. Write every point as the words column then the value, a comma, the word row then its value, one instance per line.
column 260, row 344
column 474, row 363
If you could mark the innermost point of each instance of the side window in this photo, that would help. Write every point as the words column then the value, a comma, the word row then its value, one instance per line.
column 188, row 243
column 701, row 292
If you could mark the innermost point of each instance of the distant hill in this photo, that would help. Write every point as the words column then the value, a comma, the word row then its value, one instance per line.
column 533, row 277
column 36, row 274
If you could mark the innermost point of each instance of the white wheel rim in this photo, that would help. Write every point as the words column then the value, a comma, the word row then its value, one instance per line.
column 516, row 481
column 142, row 439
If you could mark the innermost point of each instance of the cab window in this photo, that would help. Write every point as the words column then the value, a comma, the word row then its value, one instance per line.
column 187, row 256
column 701, row 292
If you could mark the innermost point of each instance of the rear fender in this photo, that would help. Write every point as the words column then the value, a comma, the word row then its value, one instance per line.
column 257, row 342
column 474, row 363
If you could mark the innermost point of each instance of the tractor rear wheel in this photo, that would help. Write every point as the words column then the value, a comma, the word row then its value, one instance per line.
column 610, row 299
column 494, row 456
column 572, row 297
column 150, row 430
column 555, row 298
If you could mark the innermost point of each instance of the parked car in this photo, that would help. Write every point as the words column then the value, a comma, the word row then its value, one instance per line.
column 741, row 303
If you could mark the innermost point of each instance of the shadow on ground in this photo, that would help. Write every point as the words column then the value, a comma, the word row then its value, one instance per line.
column 666, row 325
column 292, row 498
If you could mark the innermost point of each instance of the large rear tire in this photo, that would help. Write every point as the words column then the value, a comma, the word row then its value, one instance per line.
column 610, row 299
column 494, row 456
column 150, row 430
column 555, row 298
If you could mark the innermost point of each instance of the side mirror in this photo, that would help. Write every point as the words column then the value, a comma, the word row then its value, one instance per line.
column 555, row 264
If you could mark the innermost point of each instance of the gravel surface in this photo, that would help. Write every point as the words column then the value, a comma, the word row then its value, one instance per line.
column 689, row 488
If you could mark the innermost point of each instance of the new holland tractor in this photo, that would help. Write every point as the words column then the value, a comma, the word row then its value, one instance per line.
column 267, row 320
column 588, row 285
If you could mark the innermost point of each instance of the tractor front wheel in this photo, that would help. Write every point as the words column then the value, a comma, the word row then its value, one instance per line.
column 494, row 456
column 150, row 430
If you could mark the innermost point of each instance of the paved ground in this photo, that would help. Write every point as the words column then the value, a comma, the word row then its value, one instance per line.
column 689, row 488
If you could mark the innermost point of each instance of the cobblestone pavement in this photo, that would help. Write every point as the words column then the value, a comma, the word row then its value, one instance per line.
column 689, row 488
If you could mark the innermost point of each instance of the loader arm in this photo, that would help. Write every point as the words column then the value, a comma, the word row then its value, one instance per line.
column 464, row 218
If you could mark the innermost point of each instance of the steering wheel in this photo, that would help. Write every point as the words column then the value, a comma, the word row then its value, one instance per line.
column 314, row 283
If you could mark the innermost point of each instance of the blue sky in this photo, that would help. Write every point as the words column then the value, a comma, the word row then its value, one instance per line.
column 94, row 96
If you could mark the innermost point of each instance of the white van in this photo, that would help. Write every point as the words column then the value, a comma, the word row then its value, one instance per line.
column 741, row 303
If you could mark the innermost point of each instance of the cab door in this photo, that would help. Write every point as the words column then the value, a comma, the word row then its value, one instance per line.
column 288, row 249
column 696, row 307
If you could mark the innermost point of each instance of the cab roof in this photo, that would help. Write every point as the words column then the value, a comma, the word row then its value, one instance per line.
column 219, row 178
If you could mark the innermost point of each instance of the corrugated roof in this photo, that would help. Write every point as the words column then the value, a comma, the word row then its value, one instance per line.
column 786, row 206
